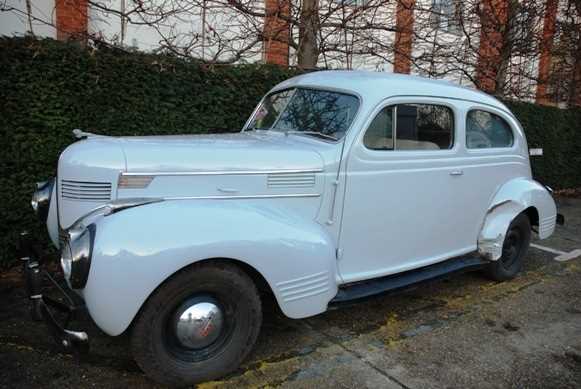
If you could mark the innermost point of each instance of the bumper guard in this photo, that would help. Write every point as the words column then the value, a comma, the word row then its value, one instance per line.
column 75, row 341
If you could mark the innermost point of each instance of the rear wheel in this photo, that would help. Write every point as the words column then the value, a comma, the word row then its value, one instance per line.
column 199, row 325
column 514, row 248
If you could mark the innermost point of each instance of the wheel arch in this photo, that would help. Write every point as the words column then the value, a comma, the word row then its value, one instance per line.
column 533, row 215
column 293, row 256
column 258, row 279
column 520, row 195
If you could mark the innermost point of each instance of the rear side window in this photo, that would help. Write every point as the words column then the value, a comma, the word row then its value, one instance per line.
column 486, row 130
column 411, row 127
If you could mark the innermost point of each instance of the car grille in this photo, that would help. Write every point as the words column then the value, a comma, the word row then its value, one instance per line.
column 85, row 190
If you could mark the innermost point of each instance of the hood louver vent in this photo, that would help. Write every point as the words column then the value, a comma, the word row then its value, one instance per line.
column 291, row 180
column 86, row 190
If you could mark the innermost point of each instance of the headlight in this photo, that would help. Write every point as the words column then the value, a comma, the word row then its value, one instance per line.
column 66, row 258
column 41, row 198
column 76, row 256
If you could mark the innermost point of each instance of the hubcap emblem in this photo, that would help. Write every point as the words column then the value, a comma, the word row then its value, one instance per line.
column 198, row 323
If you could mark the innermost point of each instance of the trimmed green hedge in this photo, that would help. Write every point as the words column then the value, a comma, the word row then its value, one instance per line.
column 47, row 88
column 558, row 133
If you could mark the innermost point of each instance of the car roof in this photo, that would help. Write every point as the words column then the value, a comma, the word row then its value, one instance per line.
column 380, row 85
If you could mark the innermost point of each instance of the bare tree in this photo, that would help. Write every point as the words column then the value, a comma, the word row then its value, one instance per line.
column 308, row 24
column 492, row 44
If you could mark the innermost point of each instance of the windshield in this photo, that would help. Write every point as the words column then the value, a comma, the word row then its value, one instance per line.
column 312, row 112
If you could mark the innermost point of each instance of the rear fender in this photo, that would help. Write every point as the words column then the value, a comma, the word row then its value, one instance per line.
column 511, row 199
column 137, row 249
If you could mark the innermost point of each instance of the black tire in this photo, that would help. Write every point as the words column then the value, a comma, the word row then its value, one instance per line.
column 159, row 352
column 514, row 249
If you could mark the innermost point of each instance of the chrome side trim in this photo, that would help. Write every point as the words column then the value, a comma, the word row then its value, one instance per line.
column 220, row 172
column 265, row 196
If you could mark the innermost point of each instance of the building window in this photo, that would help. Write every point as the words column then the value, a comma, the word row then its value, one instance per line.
column 351, row 3
column 446, row 15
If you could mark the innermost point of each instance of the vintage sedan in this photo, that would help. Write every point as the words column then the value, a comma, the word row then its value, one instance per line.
column 341, row 185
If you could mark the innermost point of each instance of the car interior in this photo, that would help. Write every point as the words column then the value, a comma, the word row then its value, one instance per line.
column 419, row 127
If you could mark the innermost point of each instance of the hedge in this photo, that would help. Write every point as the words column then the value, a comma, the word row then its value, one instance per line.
column 558, row 133
column 47, row 88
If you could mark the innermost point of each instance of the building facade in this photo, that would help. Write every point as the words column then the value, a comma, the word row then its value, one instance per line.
column 503, row 47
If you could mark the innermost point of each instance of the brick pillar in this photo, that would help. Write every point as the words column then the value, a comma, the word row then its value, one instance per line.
column 276, row 32
column 403, row 36
column 493, row 20
column 546, row 47
column 71, row 19
column 576, row 87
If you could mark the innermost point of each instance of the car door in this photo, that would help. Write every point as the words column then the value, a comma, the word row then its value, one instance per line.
column 491, row 159
column 402, row 173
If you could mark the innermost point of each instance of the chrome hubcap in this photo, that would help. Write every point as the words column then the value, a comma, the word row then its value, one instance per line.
column 197, row 324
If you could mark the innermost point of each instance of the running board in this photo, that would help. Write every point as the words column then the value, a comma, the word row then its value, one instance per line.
column 363, row 289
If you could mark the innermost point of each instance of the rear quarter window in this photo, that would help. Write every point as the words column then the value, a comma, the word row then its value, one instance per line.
column 485, row 130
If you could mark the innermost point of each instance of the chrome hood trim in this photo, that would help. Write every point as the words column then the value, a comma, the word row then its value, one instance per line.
column 105, row 210
column 219, row 172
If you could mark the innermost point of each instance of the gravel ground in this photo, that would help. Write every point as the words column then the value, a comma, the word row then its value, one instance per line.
column 465, row 331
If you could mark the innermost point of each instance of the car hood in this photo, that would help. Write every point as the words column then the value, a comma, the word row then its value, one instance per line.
column 218, row 152
column 89, row 170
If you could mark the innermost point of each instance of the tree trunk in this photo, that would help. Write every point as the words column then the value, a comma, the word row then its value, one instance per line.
column 308, row 50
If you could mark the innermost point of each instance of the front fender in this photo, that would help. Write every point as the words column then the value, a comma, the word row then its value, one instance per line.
column 139, row 248
column 510, row 200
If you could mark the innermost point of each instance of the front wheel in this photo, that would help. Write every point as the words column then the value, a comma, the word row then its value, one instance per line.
column 514, row 248
column 197, row 326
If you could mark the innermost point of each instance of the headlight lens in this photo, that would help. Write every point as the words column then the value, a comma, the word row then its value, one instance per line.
column 66, row 259
column 76, row 256
column 41, row 198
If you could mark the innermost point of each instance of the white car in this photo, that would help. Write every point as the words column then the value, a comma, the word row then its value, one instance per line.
column 341, row 185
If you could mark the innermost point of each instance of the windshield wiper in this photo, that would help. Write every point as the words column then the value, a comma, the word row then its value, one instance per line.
column 319, row 134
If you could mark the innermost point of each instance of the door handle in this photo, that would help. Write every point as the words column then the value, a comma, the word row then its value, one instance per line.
column 456, row 172
column 228, row 190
